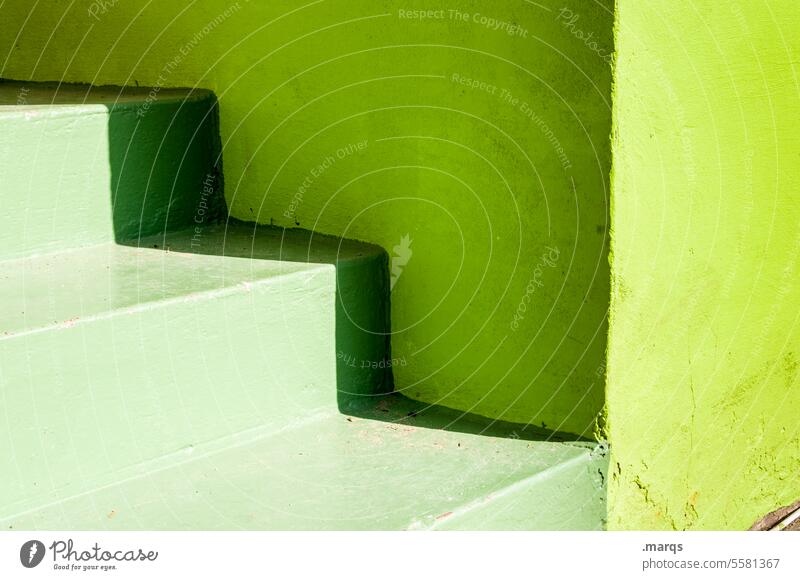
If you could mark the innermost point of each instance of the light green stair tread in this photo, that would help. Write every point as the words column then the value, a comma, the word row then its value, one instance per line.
column 83, row 166
column 65, row 288
column 111, row 356
column 362, row 289
column 344, row 472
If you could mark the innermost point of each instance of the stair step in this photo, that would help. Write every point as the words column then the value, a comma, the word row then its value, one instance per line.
column 84, row 165
column 363, row 327
column 337, row 472
column 112, row 356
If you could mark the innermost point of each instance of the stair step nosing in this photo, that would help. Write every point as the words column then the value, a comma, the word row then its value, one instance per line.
column 512, row 488
column 242, row 287
column 183, row 456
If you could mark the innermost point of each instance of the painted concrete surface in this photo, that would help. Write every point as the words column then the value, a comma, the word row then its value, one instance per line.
column 336, row 472
column 37, row 166
column 114, row 356
column 83, row 166
column 471, row 144
column 704, row 342
column 364, row 365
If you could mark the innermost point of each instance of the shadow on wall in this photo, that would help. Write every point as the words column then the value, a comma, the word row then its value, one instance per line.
column 156, row 178
column 168, row 194
column 163, row 180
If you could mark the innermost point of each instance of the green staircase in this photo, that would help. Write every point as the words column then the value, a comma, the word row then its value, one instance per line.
column 165, row 367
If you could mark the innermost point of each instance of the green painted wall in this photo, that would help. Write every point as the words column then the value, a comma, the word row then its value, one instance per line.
column 704, row 345
column 471, row 143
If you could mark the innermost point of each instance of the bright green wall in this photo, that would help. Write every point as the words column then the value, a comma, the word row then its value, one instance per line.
column 505, row 200
column 704, row 344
